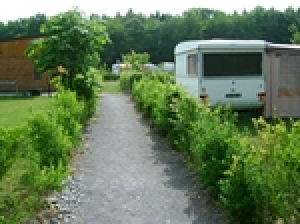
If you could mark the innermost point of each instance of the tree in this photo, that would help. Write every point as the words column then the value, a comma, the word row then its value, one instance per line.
column 69, row 47
column 295, row 34
column 136, row 60
column 23, row 27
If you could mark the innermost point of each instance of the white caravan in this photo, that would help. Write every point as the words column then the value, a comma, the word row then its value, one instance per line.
column 219, row 72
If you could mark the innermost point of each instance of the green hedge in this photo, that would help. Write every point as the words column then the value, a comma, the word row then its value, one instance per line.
column 11, row 140
column 34, row 158
column 256, row 178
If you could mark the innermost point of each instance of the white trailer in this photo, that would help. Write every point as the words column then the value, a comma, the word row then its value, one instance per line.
column 219, row 72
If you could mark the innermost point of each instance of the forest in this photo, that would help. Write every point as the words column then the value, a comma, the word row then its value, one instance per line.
column 158, row 33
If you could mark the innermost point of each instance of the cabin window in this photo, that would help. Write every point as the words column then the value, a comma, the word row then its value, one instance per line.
column 37, row 76
column 192, row 64
column 232, row 64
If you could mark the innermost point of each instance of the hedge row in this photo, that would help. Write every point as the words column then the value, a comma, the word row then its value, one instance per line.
column 256, row 178
column 34, row 158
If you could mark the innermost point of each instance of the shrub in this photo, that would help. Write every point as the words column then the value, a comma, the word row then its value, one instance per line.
column 27, row 183
column 68, row 113
column 48, row 139
column 108, row 76
column 235, row 192
column 209, row 144
column 162, row 77
column 11, row 142
column 34, row 158
column 127, row 79
column 87, row 89
column 184, row 111
column 272, row 170
column 256, row 178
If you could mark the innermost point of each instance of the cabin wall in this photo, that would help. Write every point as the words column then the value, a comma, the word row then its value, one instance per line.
column 16, row 67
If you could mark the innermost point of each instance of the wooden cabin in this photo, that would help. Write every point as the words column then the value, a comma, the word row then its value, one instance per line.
column 17, row 72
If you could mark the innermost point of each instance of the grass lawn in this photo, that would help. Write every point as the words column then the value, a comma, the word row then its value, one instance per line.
column 15, row 110
column 111, row 87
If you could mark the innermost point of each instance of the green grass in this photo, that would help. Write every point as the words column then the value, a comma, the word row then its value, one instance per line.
column 111, row 87
column 15, row 110
column 244, row 121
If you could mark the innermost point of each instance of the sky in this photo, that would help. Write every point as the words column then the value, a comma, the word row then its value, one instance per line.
column 12, row 9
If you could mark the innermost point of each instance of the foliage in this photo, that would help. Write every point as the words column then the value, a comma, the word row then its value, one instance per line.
column 159, row 32
column 88, row 88
column 182, row 105
column 35, row 156
column 272, row 170
column 255, row 178
column 208, row 144
column 22, row 27
column 108, row 75
column 152, row 93
column 69, row 48
column 27, row 183
column 48, row 139
column 295, row 33
column 127, row 79
column 135, row 60
column 68, row 112
column 235, row 193
column 10, row 144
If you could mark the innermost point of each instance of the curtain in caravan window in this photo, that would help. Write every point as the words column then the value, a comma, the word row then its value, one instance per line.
column 192, row 64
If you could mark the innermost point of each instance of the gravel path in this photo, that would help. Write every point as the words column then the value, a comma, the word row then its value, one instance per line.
column 130, row 174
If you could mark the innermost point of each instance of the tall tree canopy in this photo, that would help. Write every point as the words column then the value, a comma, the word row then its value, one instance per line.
column 158, row 33
column 71, row 42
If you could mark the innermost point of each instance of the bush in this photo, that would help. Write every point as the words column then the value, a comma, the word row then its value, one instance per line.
column 154, row 98
column 235, row 192
column 11, row 143
column 49, row 140
column 272, row 171
column 209, row 145
column 184, row 112
column 87, row 90
column 108, row 76
column 27, row 183
column 68, row 113
column 162, row 77
column 127, row 80
column 34, row 158
column 256, row 178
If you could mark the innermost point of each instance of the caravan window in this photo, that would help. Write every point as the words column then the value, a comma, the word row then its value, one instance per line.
column 192, row 64
column 232, row 64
